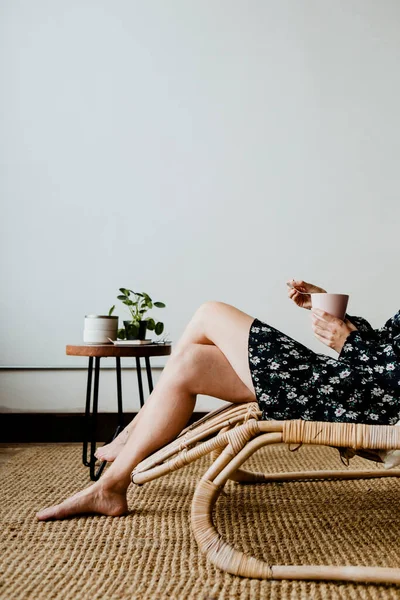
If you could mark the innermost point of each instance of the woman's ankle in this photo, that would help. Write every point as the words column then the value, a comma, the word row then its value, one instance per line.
column 111, row 485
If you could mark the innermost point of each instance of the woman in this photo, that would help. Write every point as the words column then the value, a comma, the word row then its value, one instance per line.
column 228, row 354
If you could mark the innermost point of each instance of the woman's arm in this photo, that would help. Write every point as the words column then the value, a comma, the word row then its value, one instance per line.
column 375, row 352
column 361, row 323
column 384, row 333
column 338, row 334
column 380, row 361
column 303, row 300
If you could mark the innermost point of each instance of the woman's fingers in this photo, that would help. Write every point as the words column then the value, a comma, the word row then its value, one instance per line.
column 296, row 283
column 297, row 298
column 320, row 314
column 330, row 330
column 324, row 328
column 320, row 324
column 327, row 341
column 300, row 284
column 301, row 300
column 304, row 286
column 323, row 335
column 293, row 294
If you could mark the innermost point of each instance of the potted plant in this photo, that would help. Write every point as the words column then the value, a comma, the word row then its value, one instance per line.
column 138, row 304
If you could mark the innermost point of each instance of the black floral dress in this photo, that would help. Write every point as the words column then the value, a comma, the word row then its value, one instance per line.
column 362, row 385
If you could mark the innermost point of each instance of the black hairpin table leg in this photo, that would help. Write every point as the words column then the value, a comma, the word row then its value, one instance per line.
column 140, row 382
column 120, row 423
column 85, row 460
column 91, row 418
column 97, row 352
column 149, row 375
column 95, row 475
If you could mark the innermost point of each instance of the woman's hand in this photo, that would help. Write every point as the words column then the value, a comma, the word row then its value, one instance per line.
column 329, row 330
column 303, row 300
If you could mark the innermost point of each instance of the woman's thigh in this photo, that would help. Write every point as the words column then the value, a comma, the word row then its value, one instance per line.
column 226, row 327
column 204, row 369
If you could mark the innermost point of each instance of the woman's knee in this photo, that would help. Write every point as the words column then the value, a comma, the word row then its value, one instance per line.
column 208, row 309
column 195, row 331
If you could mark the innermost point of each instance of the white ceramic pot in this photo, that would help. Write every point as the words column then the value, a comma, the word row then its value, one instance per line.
column 98, row 328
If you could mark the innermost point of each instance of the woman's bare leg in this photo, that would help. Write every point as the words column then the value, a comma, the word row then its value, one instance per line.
column 198, row 365
column 214, row 323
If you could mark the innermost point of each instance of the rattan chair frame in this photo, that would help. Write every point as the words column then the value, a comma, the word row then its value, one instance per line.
column 232, row 434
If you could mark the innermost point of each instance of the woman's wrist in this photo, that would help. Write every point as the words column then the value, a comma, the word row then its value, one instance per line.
column 347, row 330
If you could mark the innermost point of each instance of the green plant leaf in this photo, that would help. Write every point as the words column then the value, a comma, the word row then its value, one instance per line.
column 159, row 328
column 110, row 312
column 124, row 291
column 121, row 297
column 128, row 302
column 150, row 324
column 121, row 335
column 159, row 304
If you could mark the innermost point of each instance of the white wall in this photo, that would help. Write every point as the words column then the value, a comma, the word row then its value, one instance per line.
column 56, row 390
column 195, row 150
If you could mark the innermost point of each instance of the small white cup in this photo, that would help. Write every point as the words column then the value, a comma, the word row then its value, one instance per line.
column 334, row 304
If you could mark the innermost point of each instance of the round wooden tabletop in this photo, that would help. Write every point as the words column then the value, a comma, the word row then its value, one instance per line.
column 105, row 350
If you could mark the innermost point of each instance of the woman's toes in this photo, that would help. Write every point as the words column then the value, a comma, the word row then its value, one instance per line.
column 101, row 455
column 47, row 513
column 59, row 511
column 103, row 452
column 109, row 452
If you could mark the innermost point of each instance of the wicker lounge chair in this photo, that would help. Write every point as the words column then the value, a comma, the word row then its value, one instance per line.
column 231, row 435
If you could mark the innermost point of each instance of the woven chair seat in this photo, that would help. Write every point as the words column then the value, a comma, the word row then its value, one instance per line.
column 231, row 435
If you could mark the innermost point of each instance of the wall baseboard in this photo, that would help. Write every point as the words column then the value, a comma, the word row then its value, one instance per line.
column 59, row 427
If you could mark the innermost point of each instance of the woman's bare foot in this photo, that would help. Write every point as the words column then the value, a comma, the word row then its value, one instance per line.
column 109, row 452
column 94, row 499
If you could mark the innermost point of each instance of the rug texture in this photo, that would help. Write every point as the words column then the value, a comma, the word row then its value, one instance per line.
column 151, row 554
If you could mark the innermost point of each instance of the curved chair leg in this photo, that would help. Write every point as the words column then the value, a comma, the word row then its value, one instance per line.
column 227, row 558
column 215, row 453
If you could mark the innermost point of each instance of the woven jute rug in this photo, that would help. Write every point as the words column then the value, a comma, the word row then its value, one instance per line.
column 151, row 553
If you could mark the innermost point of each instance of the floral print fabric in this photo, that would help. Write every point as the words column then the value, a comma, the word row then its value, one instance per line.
column 362, row 385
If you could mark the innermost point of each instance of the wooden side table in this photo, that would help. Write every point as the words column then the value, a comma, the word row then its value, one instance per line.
column 106, row 351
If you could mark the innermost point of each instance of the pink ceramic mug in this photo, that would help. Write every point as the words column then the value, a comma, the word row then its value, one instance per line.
column 334, row 304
